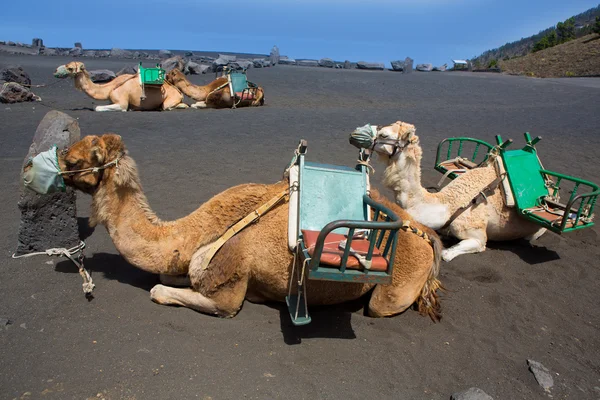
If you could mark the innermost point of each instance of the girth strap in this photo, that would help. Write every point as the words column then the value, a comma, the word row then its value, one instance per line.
column 479, row 198
column 247, row 220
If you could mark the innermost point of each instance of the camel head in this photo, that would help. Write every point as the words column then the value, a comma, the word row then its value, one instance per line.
column 70, row 69
column 98, row 156
column 175, row 76
column 397, row 141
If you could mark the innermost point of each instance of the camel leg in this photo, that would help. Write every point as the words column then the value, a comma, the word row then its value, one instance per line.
column 536, row 235
column 183, row 297
column 111, row 107
column 175, row 280
column 473, row 242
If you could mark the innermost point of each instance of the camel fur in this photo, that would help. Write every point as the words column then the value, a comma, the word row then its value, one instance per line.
column 124, row 92
column 255, row 264
column 208, row 96
column 491, row 219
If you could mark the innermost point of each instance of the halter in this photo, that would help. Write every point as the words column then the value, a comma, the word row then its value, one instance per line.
column 94, row 170
column 395, row 143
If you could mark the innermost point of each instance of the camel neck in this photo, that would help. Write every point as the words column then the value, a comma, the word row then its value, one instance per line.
column 404, row 178
column 196, row 92
column 159, row 246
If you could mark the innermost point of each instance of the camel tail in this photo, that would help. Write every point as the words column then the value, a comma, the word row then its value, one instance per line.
column 428, row 301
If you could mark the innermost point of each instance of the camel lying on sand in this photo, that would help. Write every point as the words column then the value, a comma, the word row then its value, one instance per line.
column 210, row 96
column 255, row 264
column 125, row 91
column 398, row 146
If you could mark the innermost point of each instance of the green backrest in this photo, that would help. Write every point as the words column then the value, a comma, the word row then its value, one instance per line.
column 526, row 181
column 329, row 193
column 152, row 76
column 238, row 81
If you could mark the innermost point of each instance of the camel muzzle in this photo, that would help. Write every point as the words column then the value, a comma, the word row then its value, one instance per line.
column 365, row 137
column 61, row 72
column 42, row 173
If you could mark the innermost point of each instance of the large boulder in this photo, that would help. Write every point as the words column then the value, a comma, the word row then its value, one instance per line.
column 227, row 57
column 287, row 61
column 50, row 220
column 219, row 63
column 240, row 64
column 37, row 42
column 274, row 56
column 120, row 53
column 424, row 67
column 102, row 75
column 143, row 54
column 11, row 43
column 78, row 44
column 326, row 62
column 76, row 52
column 193, row 68
column 12, row 92
column 165, row 54
column 369, row 65
column 306, row 63
column 103, row 53
column 15, row 73
column 408, row 65
column 89, row 53
column 441, row 68
column 347, row 64
column 188, row 54
column 397, row 65
column 172, row 63
column 49, row 52
column 128, row 70
column 259, row 63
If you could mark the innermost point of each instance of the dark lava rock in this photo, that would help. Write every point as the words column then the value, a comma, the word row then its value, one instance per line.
column 471, row 394
column 12, row 92
column 369, row 65
column 165, row 54
column 408, row 65
column 172, row 63
column 347, row 64
column 326, row 62
column 89, row 53
column 120, row 53
column 78, row 44
column 128, row 70
column 37, row 42
column 15, row 73
column 102, row 75
column 76, row 52
column 397, row 65
column 274, row 56
column 49, row 220
column 424, row 67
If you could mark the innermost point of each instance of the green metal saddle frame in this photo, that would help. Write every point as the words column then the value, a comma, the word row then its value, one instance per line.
column 536, row 190
column 239, row 85
column 152, row 77
column 334, row 199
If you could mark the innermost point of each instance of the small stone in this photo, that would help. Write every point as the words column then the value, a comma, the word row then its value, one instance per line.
column 23, row 325
column 542, row 374
column 5, row 322
column 471, row 394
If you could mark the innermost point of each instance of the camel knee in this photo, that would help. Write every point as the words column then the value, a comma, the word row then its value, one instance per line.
column 175, row 280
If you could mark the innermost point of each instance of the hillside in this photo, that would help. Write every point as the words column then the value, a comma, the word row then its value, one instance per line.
column 583, row 23
column 579, row 57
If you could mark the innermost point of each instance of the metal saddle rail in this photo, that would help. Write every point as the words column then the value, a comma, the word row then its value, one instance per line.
column 465, row 162
column 378, row 230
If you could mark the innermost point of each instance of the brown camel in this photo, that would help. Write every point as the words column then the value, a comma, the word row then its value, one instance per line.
column 210, row 96
column 125, row 91
column 255, row 264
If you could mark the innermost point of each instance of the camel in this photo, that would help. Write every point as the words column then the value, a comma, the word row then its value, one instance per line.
column 125, row 91
column 398, row 146
column 255, row 264
column 210, row 96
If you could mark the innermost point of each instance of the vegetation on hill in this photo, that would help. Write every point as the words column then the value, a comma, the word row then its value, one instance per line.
column 578, row 57
column 575, row 27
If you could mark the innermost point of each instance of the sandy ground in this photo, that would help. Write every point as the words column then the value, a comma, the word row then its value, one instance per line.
column 506, row 305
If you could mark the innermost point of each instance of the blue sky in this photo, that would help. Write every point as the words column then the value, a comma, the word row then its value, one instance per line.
column 432, row 31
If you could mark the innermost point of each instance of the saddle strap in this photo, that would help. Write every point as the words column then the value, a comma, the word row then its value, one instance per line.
column 247, row 220
column 479, row 197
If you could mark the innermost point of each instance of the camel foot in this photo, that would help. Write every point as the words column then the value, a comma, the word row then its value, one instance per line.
column 112, row 107
column 186, row 297
column 200, row 104
column 182, row 106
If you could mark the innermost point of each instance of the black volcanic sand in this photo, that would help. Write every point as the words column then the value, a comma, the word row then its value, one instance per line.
column 508, row 304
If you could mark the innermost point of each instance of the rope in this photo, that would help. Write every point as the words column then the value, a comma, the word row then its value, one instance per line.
column 88, row 285
column 94, row 170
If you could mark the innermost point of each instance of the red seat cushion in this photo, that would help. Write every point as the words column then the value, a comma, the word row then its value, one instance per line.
column 245, row 95
column 332, row 254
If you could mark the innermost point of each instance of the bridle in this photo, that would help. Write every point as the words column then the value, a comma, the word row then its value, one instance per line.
column 94, row 170
column 395, row 143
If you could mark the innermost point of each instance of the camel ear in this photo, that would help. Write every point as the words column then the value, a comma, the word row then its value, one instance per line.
column 113, row 144
column 97, row 149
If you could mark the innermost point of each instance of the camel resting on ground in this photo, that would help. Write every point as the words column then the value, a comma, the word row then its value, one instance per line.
column 124, row 92
column 398, row 146
column 255, row 264
column 210, row 96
